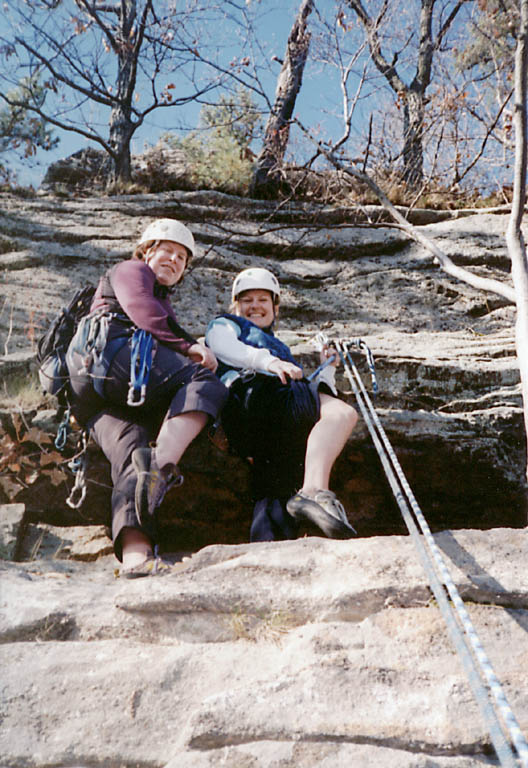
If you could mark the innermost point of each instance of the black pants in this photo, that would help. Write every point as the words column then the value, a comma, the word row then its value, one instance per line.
column 270, row 422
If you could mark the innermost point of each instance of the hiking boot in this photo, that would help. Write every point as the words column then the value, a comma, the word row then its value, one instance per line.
column 152, row 566
column 152, row 482
column 324, row 510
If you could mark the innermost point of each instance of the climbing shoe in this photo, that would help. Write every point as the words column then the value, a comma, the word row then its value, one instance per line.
column 152, row 482
column 324, row 510
column 152, row 566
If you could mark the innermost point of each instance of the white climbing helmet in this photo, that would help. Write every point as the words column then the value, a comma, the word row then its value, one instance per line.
column 166, row 229
column 256, row 278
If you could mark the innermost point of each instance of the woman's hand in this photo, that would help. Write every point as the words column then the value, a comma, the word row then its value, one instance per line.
column 283, row 369
column 198, row 353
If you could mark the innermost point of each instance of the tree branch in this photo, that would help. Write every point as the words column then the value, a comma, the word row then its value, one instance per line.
column 64, row 126
column 90, row 94
column 450, row 19
column 489, row 131
column 93, row 12
column 386, row 69
column 514, row 236
column 442, row 259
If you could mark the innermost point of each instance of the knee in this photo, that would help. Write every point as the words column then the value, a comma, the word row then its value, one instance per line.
column 345, row 416
column 350, row 416
column 218, row 392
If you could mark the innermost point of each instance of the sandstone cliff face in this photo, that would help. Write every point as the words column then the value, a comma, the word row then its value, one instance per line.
column 445, row 358
column 304, row 653
column 297, row 653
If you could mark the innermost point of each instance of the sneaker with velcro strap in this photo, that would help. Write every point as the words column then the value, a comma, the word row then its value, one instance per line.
column 151, row 566
column 152, row 482
column 323, row 509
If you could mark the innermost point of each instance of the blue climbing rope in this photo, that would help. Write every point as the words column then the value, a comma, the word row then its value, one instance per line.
column 140, row 364
column 317, row 371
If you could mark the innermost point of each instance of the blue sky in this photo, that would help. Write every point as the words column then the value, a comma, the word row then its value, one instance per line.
column 320, row 100
column 275, row 21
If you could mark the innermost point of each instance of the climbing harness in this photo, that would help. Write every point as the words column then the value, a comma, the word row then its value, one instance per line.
column 463, row 635
column 140, row 364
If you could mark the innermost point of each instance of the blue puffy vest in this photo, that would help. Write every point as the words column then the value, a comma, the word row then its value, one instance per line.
column 254, row 336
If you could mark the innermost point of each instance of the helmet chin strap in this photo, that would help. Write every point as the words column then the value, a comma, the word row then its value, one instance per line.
column 275, row 306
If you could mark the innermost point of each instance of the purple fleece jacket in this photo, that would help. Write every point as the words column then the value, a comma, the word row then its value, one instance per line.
column 133, row 283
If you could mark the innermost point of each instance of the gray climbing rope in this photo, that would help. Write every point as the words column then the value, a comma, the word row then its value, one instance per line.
column 460, row 627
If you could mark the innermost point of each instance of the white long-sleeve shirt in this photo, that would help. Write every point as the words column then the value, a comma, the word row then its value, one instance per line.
column 222, row 337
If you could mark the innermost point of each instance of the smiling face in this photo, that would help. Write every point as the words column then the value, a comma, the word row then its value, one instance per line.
column 168, row 261
column 257, row 305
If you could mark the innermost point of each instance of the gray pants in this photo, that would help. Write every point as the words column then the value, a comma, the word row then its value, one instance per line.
column 176, row 385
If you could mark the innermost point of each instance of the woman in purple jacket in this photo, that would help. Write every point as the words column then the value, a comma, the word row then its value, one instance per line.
column 179, row 396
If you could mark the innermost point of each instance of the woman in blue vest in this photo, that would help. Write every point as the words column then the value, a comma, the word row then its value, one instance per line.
column 293, row 430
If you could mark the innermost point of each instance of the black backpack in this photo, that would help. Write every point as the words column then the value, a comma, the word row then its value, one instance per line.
column 53, row 345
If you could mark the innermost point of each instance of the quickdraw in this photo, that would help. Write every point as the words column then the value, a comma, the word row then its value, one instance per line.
column 63, row 430
column 78, row 465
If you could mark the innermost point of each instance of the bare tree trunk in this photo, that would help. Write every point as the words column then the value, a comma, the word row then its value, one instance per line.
column 267, row 177
column 413, row 121
column 121, row 125
column 411, row 96
column 514, row 235
column 119, row 141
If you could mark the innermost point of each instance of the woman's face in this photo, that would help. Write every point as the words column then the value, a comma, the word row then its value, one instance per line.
column 168, row 261
column 257, row 305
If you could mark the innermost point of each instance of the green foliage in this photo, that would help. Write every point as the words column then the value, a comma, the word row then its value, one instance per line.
column 219, row 153
column 21, row 130
column 235, row 116
column 492, row 39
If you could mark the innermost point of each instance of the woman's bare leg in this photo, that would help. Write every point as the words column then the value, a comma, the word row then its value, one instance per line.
column 326, row 441
column 136, row 547
column 176, row 434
